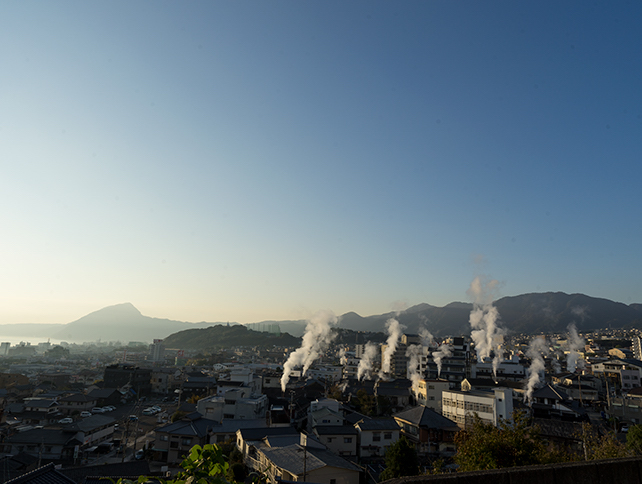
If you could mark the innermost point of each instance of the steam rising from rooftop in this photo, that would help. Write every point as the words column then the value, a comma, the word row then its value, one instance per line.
column 537, row 349
column 366, row 363
column 316, row 340
column 394, row 330
column 444, row 351
column 483, row 319
column 575, row 344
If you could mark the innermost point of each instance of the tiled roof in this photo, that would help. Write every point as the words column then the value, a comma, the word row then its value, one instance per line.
column 90, row 423
column 194, row 427
column 228, row 426
column 43, row 475
column 37, row 436
column 295, row 459
column 125, row 469
column 378, row 424
column 259, row 434
column 335, row 430
column 425, row 417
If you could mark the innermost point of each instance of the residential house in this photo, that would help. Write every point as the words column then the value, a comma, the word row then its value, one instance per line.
column 376, row 435
column 47, row 474
column 225, row 431
column 76, row 403
column 280, row 459
column 235, row 404
column 106, row 396
column 37, row 411
column 44, row 443
column 553, row 402
column 174, row 440
column 307, row 464
column 340, row 439
column 431, row 433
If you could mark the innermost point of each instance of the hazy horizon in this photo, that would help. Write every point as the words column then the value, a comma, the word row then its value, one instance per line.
column 231, row 161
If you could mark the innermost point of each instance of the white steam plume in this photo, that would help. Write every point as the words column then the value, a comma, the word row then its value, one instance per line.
column 318, row 336
column 366, row 363
column 427, row 338
column 413, row 353
column 394, row 330
column 343, row 359
column 537, row 349
column 444, row 351
column 575, row 343
column 483, row 322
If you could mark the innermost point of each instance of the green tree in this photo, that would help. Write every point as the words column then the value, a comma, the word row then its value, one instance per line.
column 634, row 439
column 203, row 465
column 604, row 446
column 401, row 460
column 512, row 443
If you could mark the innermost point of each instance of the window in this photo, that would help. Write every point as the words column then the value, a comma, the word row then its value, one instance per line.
column 330, row 439
column 387, row 435
column 376, row 437
column 186, row 441
column 173, row 445
column 347, row 440
column 164, row 438
column 333, row 481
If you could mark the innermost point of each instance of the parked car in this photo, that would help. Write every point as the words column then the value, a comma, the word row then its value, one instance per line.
column 85, row 414
column 133, row 418
column 97, row 410
column 149, row 411
column 156, row 408
column 66, row 420
column 140, row 453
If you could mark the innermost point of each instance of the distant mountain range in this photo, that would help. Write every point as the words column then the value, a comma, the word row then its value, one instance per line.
column 549, row 312
column 527, row 313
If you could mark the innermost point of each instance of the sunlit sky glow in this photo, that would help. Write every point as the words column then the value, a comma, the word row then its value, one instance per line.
column 244, row 161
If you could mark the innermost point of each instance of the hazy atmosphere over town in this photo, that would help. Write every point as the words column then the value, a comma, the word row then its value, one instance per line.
column 326, row 242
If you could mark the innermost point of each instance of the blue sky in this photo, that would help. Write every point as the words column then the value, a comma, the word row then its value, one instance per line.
column 245, row 161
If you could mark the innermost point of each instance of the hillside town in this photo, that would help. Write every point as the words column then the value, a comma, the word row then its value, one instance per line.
column 329, row 416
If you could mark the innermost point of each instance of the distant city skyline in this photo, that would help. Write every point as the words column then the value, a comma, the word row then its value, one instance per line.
column 263, row 161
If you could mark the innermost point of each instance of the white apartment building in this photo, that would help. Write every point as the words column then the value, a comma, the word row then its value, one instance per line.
column 490, row 406
column 428, row 393
column 507, row 370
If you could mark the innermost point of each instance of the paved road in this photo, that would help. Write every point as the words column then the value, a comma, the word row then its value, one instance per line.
column 127, row 429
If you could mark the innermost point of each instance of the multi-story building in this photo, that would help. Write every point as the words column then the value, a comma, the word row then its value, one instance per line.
column 510, row 369
column 157, row 351
column 454, row 367
column 428, row 393
column 136, row 379
column 636, row 347
column 489, row 406
column 620, row 372
column 399, row 360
